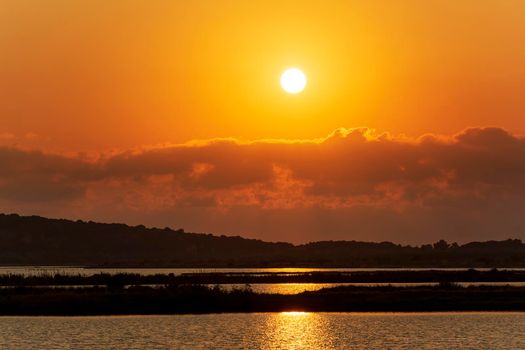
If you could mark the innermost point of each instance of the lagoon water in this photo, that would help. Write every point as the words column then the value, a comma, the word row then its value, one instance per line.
column 72, row 270
column 279, row 288
column 295, row 288
column 288, row 330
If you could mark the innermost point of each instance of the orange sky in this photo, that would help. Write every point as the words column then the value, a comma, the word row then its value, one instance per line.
column 96, row 75
column 105, row 77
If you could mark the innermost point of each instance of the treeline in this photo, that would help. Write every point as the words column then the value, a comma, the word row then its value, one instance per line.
column 33, row 240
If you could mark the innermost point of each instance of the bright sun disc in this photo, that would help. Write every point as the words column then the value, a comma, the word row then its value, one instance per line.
column 293, row 80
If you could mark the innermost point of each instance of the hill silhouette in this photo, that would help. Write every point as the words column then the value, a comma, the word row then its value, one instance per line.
column 34, row 240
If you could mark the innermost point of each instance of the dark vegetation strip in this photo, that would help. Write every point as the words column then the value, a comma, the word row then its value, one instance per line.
column 201, row 299
column 122, row 279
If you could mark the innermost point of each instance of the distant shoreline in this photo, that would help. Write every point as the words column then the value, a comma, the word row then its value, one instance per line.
column 38, row 241
column 197, row 299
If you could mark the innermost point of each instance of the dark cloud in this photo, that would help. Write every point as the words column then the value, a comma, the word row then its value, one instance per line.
column 351, row 183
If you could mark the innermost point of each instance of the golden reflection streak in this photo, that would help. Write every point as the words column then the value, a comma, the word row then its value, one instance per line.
column 295, row 329
column 294, row 313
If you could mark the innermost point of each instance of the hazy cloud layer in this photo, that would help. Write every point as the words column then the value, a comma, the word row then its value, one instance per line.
column 353, row 184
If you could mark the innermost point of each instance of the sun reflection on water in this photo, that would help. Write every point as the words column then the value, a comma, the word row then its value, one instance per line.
column 295, row 313
column 295, row 329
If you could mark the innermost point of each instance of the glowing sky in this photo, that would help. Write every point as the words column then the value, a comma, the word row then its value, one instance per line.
column 101, row 103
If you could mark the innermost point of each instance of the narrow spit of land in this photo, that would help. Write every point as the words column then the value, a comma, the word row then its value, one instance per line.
column 124, row 294
column 130, row 279
column 183, row 299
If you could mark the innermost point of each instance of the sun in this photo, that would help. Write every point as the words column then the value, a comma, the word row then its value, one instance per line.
column 293, row 80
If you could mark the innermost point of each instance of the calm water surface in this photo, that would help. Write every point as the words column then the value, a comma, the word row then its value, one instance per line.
column 293, row 330
column 294, row 288
column 38, row 270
